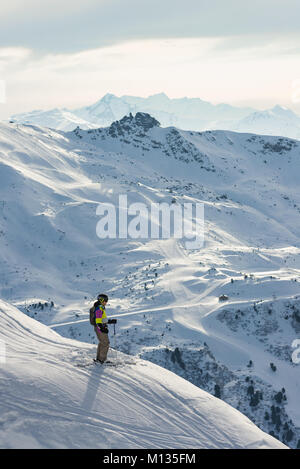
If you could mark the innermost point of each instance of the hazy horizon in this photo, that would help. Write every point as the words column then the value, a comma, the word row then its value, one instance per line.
column 97, row 99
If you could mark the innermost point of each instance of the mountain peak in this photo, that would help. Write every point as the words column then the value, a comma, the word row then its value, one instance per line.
column 131, row 123
column 161, row 96
column 108, row 96
column 145, row 120
column 283, row 111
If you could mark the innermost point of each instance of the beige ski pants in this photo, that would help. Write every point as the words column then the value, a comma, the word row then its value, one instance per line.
column 103, row 345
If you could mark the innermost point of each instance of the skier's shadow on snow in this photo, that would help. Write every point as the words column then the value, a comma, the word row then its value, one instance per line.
column 92, row 387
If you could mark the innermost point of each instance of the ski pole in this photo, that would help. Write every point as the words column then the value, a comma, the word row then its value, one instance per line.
column 116, row 352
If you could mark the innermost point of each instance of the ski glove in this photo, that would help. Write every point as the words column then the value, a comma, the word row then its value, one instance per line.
column 112, row 321
column 103, row 328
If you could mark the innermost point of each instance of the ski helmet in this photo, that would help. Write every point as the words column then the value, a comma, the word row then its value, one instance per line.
column 102, row 297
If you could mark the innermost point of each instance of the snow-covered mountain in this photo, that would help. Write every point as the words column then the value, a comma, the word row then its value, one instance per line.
column 185, row 113
column 49, row 402
column 275, row 121
column 168, row 299
column 60, row 119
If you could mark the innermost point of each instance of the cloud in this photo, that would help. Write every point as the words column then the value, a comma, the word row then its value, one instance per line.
column 71, row 52
column 196, row 67
column 70, row 26
column 12, row 57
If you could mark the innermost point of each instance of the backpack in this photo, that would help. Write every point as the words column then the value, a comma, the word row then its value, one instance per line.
column 92, row 316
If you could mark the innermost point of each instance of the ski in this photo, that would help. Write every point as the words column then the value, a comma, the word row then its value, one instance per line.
column 115, row 363
column 84, row 365
column 106, row 364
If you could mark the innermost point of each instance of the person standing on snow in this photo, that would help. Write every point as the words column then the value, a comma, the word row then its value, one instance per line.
column 100, row 321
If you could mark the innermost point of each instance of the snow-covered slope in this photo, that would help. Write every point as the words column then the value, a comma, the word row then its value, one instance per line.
column 48, row 402
column 60, row 119
column 165, row 296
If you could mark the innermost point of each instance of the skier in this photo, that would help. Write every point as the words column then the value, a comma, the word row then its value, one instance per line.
column 100, row 321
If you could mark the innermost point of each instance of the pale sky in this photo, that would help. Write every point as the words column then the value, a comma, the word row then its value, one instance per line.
column 70, row 53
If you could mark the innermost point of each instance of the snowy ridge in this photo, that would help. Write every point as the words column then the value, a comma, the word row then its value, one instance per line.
column 59, row 119
column 48, row 402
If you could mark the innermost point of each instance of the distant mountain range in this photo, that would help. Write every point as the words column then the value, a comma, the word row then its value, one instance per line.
column 184, row 113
